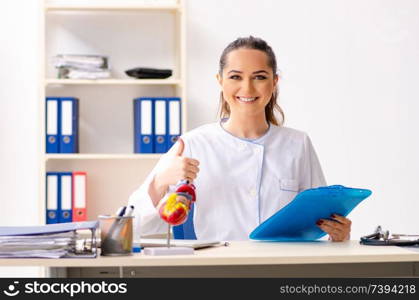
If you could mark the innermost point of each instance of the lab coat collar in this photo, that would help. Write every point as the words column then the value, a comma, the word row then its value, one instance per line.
column 260, row 140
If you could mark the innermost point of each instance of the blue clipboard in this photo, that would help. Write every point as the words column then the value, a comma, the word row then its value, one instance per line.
column 297, row 220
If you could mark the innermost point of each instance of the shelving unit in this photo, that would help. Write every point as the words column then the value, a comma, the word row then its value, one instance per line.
column 100, row 156
column 51, row 81
column 98, row 5
column 132, row 33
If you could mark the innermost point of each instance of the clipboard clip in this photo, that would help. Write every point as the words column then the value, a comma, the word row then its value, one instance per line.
column 382, row 237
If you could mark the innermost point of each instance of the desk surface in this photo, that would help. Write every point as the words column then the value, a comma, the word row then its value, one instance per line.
column 245, row 253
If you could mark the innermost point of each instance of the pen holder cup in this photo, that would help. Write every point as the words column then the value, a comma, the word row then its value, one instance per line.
column 116, row 235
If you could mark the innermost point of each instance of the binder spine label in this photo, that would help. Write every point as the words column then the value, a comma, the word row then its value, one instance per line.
column 79, row 197
column 175, row 121
column 160, row 126
column 143, row 125
column 52, row 130
column 69, row 125
column 52, row 189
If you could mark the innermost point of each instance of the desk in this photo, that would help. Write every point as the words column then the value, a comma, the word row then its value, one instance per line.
column 247, row 259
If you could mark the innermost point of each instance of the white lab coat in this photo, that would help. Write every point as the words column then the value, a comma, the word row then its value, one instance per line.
column 241, row 182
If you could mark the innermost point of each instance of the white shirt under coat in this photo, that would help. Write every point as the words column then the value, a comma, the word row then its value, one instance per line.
column 241, row 182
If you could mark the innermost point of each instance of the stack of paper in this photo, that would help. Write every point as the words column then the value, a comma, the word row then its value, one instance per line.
column 44, row 246
column 48, row 241
column 82, row 66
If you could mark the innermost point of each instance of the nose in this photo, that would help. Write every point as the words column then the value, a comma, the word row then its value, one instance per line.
column 247, row 87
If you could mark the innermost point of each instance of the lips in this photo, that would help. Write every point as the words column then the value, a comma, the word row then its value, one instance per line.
column 246, row 99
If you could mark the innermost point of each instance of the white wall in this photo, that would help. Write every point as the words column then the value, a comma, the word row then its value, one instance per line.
column 350, row 71
column 19, row 167
column 348, row 68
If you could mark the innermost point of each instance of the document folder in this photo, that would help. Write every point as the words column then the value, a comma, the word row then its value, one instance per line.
column 48, row 229
column 297, row 220
column 160, row 145
column 52, row 201
column 174, row 121
column 143, row 125
column 79, row 196
column 69, row 140
column 65, row 206
column 52, row 125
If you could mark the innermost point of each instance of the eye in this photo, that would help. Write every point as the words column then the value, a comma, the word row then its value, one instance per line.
column 260, row 77
column 235, row 77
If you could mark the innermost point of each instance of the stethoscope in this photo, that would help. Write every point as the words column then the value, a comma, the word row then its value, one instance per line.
column 383, row 238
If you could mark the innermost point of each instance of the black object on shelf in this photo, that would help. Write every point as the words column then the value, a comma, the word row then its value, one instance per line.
column 147, row 73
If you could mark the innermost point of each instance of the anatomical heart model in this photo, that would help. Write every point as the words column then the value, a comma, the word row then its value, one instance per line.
column 174, row 209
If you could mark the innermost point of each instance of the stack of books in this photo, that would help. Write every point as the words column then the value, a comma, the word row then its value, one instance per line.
column 82, row 66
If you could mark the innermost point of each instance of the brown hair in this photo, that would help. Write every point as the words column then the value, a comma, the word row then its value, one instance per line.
column 256, row 44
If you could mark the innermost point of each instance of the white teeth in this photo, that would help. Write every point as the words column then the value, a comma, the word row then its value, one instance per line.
column 247, row 99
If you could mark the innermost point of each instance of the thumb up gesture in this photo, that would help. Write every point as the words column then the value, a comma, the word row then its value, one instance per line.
column 177, row 167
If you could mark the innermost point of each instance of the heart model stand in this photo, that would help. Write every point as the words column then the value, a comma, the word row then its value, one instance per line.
column 174, row 211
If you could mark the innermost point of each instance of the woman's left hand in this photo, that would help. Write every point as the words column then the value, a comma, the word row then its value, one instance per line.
column 339, row 228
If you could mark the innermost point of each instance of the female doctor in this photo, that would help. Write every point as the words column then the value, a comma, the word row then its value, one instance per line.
column 245, row 167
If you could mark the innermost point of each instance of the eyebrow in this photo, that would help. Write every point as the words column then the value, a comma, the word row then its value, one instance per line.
column 256, row 72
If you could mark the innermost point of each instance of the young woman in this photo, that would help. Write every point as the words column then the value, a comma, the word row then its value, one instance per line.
column 245, row 167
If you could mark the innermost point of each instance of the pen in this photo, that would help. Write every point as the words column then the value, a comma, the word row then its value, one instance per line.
column 115, row 228
column 129, row 211
column 121, row 211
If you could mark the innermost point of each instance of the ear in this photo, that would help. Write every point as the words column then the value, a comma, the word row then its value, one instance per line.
column 276, row 80
column 220, row 79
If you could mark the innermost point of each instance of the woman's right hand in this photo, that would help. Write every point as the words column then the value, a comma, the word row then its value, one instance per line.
column 176, row 167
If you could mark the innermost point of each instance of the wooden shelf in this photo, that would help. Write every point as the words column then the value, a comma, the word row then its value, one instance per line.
column 97, row 5
column 92, row 26
column 93, row 156
column 52, row 81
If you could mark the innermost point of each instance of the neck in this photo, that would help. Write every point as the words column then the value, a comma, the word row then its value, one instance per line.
column 246, row 127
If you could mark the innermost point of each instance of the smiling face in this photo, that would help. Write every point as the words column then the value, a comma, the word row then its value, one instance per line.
column 248, row 82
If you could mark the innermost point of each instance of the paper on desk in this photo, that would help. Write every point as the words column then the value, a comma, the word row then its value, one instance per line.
column 196, row 244
column 55, row 253
column 37, row 246
column 42, row 239
column 49, row 241
column 46, row 229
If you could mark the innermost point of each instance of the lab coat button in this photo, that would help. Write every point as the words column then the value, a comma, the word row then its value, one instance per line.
column 253, row 192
